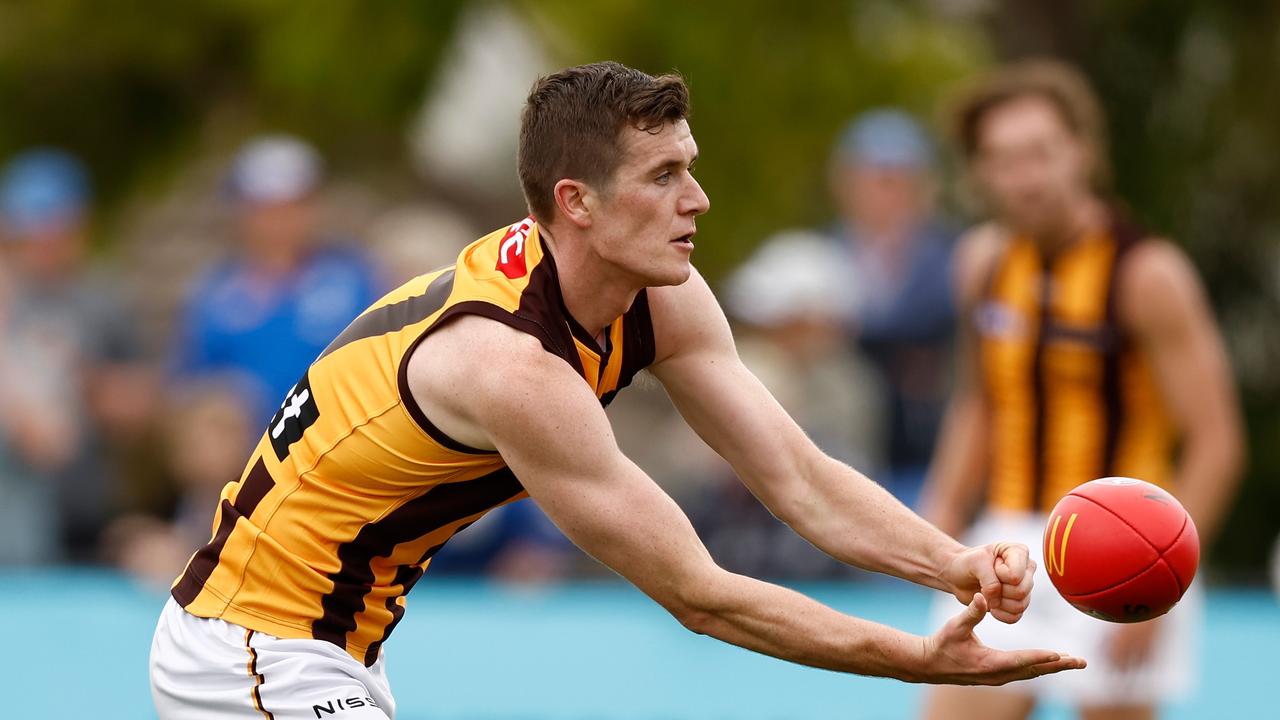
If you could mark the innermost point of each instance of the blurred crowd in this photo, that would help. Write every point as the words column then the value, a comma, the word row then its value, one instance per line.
column 133, row 388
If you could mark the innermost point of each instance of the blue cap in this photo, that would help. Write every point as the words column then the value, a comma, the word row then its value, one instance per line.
column 886, row 137
column 42, row 187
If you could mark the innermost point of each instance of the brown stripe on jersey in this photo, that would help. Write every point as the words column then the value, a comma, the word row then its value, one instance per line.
column 393, row 317
column 1125, row 235
column 1039, row 385
column 638, row 347
column 258, row 678
column 542, row 304
column 438, row 507
column 255, row 486
column 407, row 576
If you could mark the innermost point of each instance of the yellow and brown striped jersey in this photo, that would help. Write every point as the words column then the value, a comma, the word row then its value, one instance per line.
column 351, row 490
column 1072, row 397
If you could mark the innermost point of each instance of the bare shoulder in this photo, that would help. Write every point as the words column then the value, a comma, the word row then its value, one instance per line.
column 471, row 346
column 1155, row 273
column 687, row 317
column 976, row 253
column 1157, row 284
column 475, row 371
column 1157, row 264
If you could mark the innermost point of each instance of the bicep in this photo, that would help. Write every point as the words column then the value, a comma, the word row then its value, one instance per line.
column 721, row 399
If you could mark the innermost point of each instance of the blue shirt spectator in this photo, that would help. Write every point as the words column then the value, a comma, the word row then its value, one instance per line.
column 899, row 257
column 271, row 328
column 270, row 310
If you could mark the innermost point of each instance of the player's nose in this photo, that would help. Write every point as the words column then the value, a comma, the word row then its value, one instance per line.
column 695, row 201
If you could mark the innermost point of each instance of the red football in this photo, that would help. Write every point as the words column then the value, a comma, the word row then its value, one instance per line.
column 1121, row 549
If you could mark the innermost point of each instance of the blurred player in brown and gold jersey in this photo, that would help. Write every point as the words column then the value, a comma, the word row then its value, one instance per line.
column 476, row 384
column 1088, row 350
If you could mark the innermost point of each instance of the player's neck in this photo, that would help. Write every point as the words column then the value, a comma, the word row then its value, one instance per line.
column 594, row 293
column 1082, row 217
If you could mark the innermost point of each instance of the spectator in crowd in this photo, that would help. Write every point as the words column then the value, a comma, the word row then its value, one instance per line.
column 893, row 242
column 270, row 309
column 410, row 240
column 70, row 366
column 789, row 303
column 201, row 454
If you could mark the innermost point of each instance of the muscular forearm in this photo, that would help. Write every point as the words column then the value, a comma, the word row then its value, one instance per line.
column 784, row 624
column 858, row 522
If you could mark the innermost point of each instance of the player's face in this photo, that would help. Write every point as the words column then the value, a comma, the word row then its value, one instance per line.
column 1030, row 165
column 643, row 224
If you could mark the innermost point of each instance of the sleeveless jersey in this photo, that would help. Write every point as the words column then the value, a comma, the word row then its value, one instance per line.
column 1072, row 397
column 351, row 490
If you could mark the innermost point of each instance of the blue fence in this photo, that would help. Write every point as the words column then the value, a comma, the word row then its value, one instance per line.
column 468, row 651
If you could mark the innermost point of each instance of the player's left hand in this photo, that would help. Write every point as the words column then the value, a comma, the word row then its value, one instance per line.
column 1131, row 644
column 1002, row 572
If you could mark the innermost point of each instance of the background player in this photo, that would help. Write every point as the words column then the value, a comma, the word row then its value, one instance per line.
column 1088, row 350
column 422, row 415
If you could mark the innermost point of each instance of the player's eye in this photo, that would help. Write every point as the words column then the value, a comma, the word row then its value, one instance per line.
column 664, row 178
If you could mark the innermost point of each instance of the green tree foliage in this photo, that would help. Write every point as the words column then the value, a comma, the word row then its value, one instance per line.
column 772, row 84
column 129, row 85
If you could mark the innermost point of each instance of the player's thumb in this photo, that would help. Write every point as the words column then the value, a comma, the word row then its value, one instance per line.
column 973, row 614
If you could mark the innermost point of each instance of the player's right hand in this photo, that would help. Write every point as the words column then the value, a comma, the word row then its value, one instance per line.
column 955, row 656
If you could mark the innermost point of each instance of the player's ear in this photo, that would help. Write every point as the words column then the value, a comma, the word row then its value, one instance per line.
column 572, row 197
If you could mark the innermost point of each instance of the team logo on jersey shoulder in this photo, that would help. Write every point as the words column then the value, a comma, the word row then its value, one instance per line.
column 297, row 413
column 996, row 319
column 511, row 249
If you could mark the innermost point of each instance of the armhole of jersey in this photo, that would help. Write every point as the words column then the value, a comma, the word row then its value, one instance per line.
column 641, row 355
column 467, row 307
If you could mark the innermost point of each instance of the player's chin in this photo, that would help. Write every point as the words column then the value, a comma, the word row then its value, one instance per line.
column 672, row 273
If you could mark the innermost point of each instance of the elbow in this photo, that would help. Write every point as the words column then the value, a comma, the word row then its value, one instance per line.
column 696, row 620
column 694, row 604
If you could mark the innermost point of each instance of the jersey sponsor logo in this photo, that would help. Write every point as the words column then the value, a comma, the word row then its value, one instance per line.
column 995, row 319
column 297, row 413
column 1054, row 555
column 336, row 705
column 511, row 249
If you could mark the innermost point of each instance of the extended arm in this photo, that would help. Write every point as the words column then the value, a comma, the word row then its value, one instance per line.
column 554, row 435
column 830, row 504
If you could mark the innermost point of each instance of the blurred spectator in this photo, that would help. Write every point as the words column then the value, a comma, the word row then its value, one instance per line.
column 202, row 454
column 69, row 365
column 790, row 299
column 409, row 241
column 270, row 309
column 900, row 253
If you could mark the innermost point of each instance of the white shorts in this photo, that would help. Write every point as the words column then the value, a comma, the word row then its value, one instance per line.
column 1050, row 623
column 206, row 668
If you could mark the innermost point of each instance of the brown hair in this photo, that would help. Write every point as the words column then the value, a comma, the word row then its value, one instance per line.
column 1062, row 85
column 572, row 121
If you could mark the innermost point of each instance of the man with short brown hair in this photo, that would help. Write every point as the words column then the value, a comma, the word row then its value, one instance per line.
column 483, row 382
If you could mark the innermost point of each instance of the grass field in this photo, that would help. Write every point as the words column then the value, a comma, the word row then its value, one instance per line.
column 469, row 651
